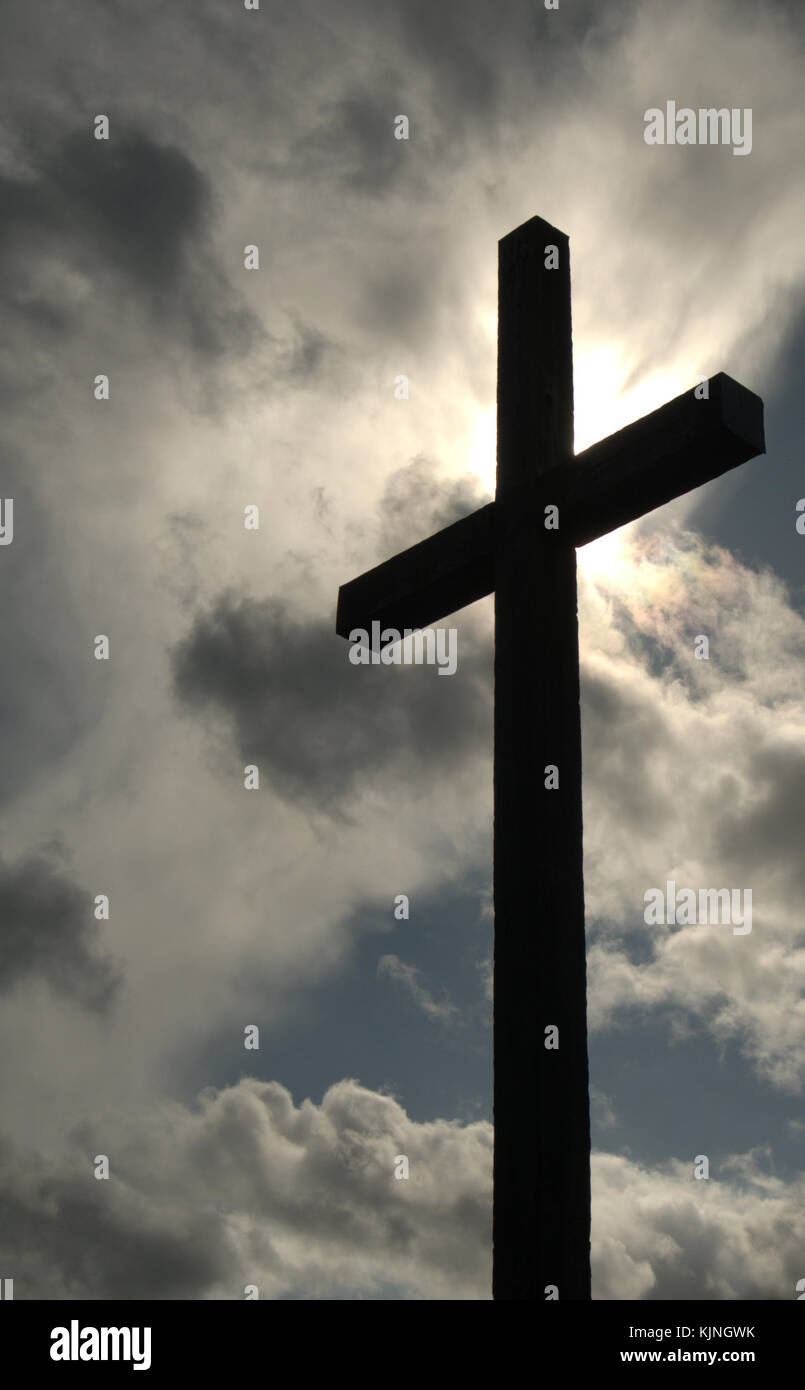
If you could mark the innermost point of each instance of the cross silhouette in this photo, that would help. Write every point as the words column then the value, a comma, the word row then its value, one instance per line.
column 522, row 546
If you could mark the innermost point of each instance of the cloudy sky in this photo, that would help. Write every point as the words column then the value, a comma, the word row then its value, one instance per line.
column 233, row 388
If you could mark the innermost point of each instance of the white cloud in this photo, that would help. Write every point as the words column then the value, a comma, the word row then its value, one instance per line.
column 662, row 1234
column 694, row 771
column 248, row 1188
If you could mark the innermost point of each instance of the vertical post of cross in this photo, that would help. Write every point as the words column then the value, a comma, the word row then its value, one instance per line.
column 541, row 1222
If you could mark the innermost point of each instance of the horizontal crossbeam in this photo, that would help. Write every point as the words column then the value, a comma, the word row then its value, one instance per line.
column 677, row 448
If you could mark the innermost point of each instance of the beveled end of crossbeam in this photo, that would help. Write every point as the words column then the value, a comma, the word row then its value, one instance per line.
column 684, row 444
column 741, row 413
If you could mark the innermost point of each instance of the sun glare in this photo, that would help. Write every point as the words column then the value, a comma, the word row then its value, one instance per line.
column 483, row 454
column 605, row 558
column 600, row 410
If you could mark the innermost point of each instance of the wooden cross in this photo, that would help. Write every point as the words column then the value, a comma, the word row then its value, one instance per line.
column 512, row 546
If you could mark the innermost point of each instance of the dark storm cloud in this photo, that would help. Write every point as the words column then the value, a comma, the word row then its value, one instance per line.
column 139, row 204
column 766, row 836
column 316, row 725
column 129, row 208
column 462, row 45
column 43, row 639
column 247, row 1187
column 623, row 733
column 440, row 66
column 48, row 931
column 354, row 138
column 76, row 1237
column 296, row 705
